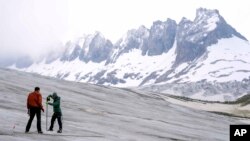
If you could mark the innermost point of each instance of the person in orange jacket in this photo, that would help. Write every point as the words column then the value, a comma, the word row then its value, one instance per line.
column 34, row 106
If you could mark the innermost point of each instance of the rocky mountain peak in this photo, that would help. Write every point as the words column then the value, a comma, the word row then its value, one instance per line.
column 93, row 47
column 206, row 29
column 161, row 37
column 203, row 12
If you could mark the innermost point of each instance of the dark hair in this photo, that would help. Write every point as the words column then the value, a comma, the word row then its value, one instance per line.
column 37, row 89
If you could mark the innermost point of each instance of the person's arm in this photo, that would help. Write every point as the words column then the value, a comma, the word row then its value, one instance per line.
column 50, row 103
column 40, row 102
column 56, row 103
column 28, row 106
column 49, row 96
column 48, row 99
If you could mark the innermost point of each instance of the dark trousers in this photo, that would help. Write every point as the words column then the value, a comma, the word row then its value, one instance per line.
column 33, row 112
column 57, row 116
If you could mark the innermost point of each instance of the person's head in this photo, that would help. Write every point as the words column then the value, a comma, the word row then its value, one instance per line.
column 37, row 89
column 54, row 95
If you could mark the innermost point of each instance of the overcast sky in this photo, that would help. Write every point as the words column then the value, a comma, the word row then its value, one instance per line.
column 35, row 26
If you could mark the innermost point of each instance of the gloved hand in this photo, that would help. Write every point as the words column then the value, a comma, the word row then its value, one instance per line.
column 28, row 112
column 42, row 109
column 48, row 98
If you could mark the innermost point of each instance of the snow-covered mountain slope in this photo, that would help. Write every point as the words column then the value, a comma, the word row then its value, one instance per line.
column 101, row 113
column 206, row 49
column 222, row 73
column 129, row 70
column 228, row 60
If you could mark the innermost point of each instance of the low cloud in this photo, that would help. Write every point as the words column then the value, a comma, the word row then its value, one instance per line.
column 31, row 27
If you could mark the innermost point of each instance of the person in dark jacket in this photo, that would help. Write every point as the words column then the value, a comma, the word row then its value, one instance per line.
column 34, row 106
column 57, row 111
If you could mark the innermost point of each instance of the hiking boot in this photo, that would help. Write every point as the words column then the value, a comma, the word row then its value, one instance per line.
column 40, row 132
column 59, row 131
column 26, row 132
column 50, row 130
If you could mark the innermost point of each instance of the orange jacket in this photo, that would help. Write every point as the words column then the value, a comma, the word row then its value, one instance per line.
column 34, row 100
